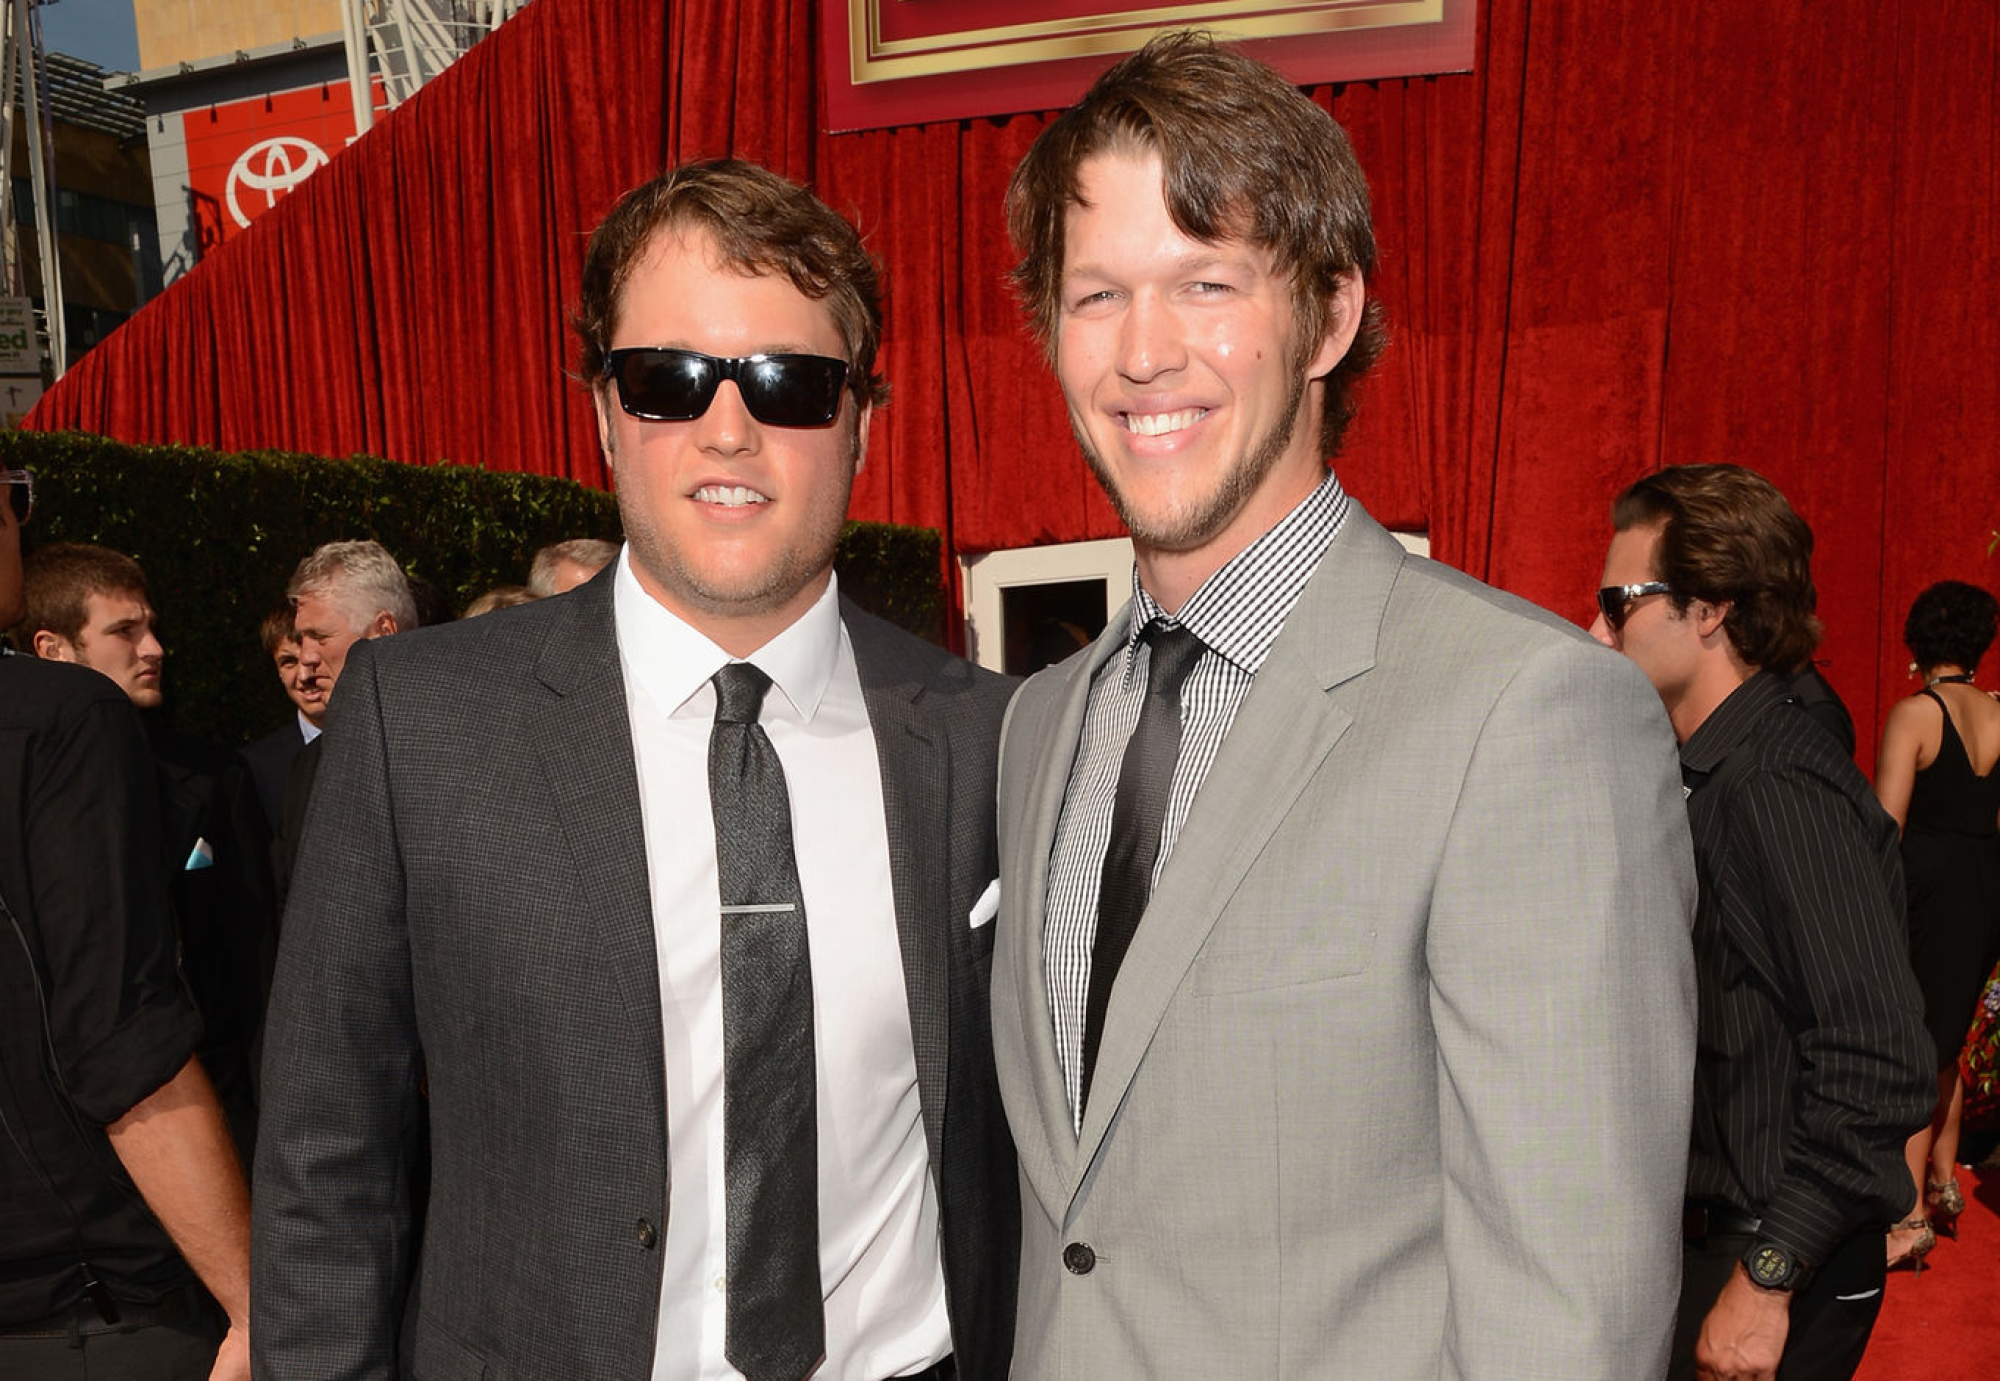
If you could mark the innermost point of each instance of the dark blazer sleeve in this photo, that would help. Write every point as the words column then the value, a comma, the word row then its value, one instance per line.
column 937, row 725
column 337, row 1148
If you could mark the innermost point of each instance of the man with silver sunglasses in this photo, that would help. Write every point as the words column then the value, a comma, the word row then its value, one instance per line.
column 1812, row 1063
column 681, row 943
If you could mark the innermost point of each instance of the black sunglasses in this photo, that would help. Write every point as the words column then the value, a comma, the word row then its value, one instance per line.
column 20, row 492
column 1615, row 601
column 661, row 385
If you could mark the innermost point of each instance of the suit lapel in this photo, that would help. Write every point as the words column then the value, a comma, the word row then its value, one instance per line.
column 585, row 748
column 1290, row 717
column 911, row 749
column 1050, row 1161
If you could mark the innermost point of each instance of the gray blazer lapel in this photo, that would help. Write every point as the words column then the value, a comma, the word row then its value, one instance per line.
column 1050, row 1161
column 1293, row 716
column 586, row 758
column 916, row 801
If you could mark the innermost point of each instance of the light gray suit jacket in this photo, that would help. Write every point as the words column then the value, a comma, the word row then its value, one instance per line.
column 471, row 917
column 1395, row 1079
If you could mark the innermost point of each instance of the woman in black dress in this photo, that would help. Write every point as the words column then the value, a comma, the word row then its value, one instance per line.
column 1937, row 775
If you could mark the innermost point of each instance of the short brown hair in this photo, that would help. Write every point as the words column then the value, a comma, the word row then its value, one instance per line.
column 276, row 629
column 762, row 224
column 58, row 581
column 1727, row 536
column 1245, row 156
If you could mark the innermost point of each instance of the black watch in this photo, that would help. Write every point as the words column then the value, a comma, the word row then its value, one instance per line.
column 1774, row 1267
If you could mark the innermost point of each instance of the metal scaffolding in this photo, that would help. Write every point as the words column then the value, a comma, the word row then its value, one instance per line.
column 23, row 68
column 395, row 46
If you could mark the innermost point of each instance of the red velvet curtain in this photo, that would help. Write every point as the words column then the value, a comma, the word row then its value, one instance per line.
column 1634, row 236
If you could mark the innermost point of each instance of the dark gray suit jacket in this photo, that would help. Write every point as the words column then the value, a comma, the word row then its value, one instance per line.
column 471, row 939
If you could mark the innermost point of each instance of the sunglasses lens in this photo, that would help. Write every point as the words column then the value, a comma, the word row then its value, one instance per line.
column 665, row 385
column 679, row 385
column 792, row 390
column 1611, row 604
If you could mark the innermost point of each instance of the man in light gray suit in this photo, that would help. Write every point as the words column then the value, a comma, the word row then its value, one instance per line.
column 1343, row 1000
column 667, row 901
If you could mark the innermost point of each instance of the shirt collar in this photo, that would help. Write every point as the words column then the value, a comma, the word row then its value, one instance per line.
column 308, row 731
column 1729, row 724
column 672, row 661
column 1239, row 611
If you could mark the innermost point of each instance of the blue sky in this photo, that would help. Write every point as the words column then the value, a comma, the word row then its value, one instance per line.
column 100, row 30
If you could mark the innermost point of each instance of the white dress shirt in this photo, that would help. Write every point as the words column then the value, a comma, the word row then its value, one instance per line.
column 308, row 731
column 881, row 1271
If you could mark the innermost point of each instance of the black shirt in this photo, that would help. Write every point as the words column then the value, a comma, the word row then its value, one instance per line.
column 93, row 1014
column 1812, row 1065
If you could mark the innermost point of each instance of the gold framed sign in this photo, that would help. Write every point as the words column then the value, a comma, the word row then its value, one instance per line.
column 898, row 62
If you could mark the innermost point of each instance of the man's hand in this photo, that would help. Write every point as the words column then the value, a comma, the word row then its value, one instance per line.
column 232, row 1362
column 1744, row 1334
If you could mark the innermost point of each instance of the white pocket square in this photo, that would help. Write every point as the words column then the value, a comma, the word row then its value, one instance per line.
column 988, row 905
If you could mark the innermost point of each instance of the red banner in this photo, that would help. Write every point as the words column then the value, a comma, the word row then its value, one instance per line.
column 895, row 62
column 244, row 156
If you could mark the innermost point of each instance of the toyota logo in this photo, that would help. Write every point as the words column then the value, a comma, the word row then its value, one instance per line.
column 272, row 167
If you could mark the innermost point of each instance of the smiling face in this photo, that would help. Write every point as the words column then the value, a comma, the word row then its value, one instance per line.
column 731, row 522
column 306, row 692
column 117, row 639
column 1187, row 386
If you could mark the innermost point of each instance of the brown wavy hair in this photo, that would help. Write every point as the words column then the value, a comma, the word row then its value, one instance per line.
column 762, row 224
column 1727, row 536
column 1245, row 156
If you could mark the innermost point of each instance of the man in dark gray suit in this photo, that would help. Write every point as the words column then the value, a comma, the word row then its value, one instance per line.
column 533, row 923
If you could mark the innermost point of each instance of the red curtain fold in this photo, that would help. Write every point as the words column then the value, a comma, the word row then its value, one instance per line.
column 1634, row 236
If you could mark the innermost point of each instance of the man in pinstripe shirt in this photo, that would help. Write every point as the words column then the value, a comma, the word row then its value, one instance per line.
column 1811, row 1054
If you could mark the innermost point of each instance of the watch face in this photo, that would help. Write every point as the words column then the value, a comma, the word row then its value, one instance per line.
column 1769, row 1265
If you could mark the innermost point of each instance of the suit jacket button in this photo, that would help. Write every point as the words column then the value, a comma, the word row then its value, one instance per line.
column 1079, row 1259
column 647, row 1236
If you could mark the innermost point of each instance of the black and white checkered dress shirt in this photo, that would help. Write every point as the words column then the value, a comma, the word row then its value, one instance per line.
column 1237, row 613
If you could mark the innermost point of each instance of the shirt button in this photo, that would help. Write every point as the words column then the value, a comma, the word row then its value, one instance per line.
column 722, row 1284
column 1079, row 1259
column 647, row 1235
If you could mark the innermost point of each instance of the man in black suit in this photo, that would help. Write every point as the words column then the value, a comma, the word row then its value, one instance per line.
column 545, row 846
column 341, row 594
column 88, row 604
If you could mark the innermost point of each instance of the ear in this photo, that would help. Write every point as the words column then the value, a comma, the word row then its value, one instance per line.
column 383, row 624
column 1708, row 618
column 1343, row 324
column 54, row 647
column 861, row 436
column 600, row 402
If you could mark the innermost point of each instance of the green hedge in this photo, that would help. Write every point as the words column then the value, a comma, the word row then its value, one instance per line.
column 218, row 535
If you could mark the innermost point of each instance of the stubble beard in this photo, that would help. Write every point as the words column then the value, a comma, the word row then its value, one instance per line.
column 1191, row 523
column 751, row 593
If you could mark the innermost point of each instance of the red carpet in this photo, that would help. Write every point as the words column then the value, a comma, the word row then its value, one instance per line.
column 1945, row 1324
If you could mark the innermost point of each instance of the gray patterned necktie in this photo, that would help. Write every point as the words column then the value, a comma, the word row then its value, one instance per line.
column 775, row 1324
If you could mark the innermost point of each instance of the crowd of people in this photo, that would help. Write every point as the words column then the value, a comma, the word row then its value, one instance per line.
column 1339, row 968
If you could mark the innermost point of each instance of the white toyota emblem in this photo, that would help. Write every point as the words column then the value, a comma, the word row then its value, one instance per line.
column 273, row 167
